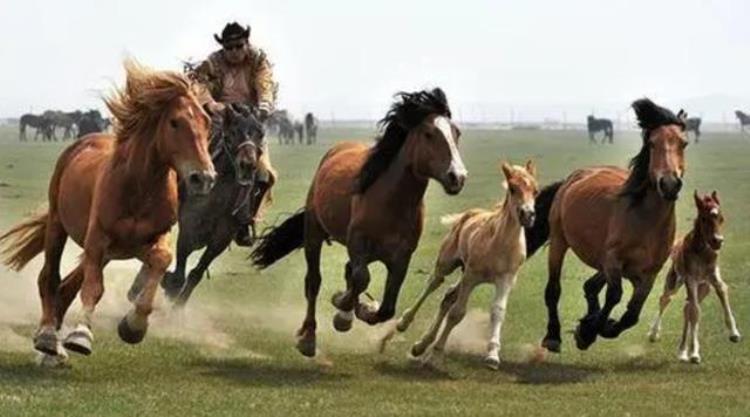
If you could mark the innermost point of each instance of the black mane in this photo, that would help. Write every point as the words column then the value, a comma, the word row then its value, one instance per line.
column 407, row 112
column 650, row 117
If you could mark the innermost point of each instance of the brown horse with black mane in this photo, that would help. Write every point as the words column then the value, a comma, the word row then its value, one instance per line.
column 370, row 199
column 117, row 198
column 619, row 222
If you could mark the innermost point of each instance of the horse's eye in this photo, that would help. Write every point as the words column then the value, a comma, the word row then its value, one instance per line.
column 173, row 123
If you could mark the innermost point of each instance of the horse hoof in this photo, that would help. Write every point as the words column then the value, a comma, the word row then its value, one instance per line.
column 129, row 334
column 402, row 325
column 492, row 362
column 735, row 338
column 342, row 321
column 80, row 340
column 695, row 359
column 609, row 329
column 53, row 361
column 583, row 340
column 552, row 345
column 368, row 312
column 172, row 285
column 683, row 357
column 336, row 300
column 653, row 337
column 306, row 346
column 46, row 342
column 417, row 350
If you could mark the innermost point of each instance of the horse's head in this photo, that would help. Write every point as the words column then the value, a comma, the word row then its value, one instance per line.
column 667, row 162
column 522, row 190
column 710, row 219
column 661, row 161
column 183, row 144
column 433, row 152
column 243, row 136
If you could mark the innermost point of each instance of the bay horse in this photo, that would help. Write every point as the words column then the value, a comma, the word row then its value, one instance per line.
column 620, row 223
column 490, row 247
column 695, row 263
column 210, row 222
column 116, row 197
column 595, row 125
column 370, row 199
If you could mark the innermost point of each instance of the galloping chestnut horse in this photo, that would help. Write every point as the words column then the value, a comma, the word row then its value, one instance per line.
column 117, row 198
column 619, row 222
column 370, row 199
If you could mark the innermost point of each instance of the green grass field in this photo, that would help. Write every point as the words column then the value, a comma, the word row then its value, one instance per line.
column 232, row 352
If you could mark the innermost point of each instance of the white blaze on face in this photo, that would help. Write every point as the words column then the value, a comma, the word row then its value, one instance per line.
column 457, row 164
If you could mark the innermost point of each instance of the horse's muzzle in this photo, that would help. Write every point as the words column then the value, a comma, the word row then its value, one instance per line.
column 453, row 182
column 201, row 182
column 527, row 218
column 669, row 187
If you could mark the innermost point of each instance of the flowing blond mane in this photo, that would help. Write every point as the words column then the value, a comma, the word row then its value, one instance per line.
column 138, row 107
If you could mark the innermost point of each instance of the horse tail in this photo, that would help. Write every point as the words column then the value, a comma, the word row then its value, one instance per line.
column 537, row 235
column 24, row 241
column 279, row 241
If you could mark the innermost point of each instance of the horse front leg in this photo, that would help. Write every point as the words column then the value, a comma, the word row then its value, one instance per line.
column 611, row 329
column 722, row 291
column 80, row 340
column 213, row 250
column 371, row 313
column 174, row 281
column 589, row 326
column 156, row 259
column 357, row 276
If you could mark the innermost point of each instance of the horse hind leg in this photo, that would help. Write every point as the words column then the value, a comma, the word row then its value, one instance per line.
column 314, row 237
column 442, row 269
column 671, row 286
column 46, row 340
column 429, row 337
column 558, row 247
column 455, row 315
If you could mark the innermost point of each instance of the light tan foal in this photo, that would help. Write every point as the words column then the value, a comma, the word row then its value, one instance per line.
column 490, row 246
column 695, row 263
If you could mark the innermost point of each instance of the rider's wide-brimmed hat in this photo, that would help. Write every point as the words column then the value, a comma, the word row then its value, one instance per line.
column 232, row 32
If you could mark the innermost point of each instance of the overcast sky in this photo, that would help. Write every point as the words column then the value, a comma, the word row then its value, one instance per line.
column 536, row 59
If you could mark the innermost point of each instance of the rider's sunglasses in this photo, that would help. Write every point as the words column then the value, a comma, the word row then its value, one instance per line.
column 234, row 47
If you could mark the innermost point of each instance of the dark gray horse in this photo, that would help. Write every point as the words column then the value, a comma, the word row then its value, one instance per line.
column 595, row 125
column 744, row 119
column 693, row 124
column 41, row 124
column 311, row 128
column 299, row 128
column 210, row 221
column 90, row 122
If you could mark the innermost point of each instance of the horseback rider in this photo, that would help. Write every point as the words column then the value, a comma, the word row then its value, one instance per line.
column 241, row 73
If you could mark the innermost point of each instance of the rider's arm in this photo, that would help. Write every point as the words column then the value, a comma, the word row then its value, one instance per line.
column 264, row 85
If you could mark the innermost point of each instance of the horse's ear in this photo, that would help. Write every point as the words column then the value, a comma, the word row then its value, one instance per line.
column 682, row 115
column 531, row 167
column 715, row 196
column 507, row 169
column 698, row 201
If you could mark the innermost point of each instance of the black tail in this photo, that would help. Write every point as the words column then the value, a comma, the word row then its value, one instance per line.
column 537, row 235
column 280, row 241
